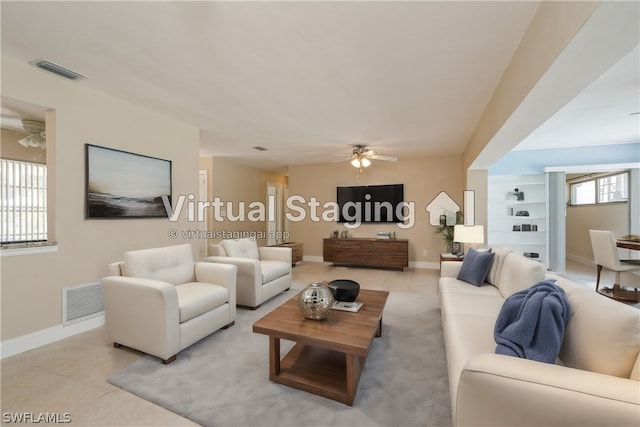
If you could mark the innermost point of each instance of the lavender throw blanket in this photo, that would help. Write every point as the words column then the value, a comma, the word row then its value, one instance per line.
column 531, row 323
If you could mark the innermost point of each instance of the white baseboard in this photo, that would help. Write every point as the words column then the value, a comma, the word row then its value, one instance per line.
column 42, row 337
column 312, row 258
column 424, row 264
column 580, row 260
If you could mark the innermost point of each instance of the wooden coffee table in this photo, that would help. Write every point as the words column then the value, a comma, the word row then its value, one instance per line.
column 329, row 354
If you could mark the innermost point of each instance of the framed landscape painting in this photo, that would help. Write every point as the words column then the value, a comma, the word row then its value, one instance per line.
column 125, row 185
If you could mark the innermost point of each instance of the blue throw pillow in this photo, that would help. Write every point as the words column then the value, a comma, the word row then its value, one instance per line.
column 475, row 267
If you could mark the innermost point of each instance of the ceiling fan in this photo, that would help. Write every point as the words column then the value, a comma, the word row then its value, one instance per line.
column 361, row 156
column 36, row 134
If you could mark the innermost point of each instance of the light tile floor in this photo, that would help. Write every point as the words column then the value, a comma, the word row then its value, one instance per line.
column 69, row 376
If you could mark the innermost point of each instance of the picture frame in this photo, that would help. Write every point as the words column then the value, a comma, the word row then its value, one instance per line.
column 526, row 227
column 120, row 184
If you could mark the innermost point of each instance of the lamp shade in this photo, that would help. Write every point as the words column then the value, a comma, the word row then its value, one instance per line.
column 468, row 233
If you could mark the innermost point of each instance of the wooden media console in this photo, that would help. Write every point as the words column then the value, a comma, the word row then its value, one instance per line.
column 367, row 252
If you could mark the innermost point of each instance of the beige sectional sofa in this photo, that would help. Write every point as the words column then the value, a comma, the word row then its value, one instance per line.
column 595, row 381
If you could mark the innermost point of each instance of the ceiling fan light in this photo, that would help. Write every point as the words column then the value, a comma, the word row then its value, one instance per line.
column 31, row 141
column 366, row 162
column 355, row 162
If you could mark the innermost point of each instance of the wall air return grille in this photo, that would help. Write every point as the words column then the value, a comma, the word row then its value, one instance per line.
column 81, row 302
column 57, row 69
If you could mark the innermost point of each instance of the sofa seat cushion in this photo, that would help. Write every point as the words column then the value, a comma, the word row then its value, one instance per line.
column 241, row 248
column 195, row 298
column 272, row 270
column 453, row 285
column 471, row 304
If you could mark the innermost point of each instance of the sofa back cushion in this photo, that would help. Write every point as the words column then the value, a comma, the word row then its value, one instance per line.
column 496, row 266
column 518, row 273
column 241, row 248
column 172, row 264
column 217, row 250
column 602, row 335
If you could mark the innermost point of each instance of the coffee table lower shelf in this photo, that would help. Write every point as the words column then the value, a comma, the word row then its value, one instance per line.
column 324, row 372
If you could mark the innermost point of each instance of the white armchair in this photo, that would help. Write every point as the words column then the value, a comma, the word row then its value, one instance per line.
column 262, row 272
column 160, row 301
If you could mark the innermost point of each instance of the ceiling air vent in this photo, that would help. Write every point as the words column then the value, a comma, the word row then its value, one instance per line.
column 57, row 69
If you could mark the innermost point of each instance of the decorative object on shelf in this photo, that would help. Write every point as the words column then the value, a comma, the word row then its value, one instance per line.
column 526, row 227
column 522, row 213
column 335, row 234
column 344, row 289
column 386, row 235
column 519, row 194
column 516, row 228
column 443, row 220
column 316, row 301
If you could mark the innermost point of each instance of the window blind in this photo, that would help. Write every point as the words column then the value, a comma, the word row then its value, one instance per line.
column 23, row 196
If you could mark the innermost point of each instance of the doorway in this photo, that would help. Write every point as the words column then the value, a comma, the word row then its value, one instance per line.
column 274, row 213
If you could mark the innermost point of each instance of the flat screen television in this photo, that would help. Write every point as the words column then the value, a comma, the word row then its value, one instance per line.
column 371, row 203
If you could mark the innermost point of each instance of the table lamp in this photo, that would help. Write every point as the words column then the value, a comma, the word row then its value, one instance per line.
column 468, row 234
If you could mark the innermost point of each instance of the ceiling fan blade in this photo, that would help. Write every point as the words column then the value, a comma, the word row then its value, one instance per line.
column 387, row 158
column 344, row 159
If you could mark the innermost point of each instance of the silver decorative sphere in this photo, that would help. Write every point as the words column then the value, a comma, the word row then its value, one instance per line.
column 316, row 301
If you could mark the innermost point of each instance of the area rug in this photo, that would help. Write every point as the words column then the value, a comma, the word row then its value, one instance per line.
column 223, row 380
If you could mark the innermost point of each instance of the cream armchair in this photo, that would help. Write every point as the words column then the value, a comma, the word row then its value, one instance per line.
column 160, row 301
column 262, row 272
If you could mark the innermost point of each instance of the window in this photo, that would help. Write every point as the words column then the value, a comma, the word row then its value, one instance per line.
column 24, row 201
column 603, row 189
column 613, row 188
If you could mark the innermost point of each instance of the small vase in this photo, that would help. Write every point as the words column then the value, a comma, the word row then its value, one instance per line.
column 316, row 301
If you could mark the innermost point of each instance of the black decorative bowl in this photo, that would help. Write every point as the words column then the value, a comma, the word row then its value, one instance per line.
column 344, row 289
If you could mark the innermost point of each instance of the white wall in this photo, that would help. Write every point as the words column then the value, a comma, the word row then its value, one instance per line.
column 32, row 284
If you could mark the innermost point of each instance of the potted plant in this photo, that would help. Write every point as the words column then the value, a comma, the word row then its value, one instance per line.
column 447, row 232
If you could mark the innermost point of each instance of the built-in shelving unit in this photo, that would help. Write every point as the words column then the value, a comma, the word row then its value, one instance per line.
column 519, row 221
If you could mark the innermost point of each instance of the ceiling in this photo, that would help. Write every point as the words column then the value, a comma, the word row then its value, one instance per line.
column 306, row 80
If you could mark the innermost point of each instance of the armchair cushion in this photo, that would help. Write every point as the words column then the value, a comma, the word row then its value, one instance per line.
column 196, row 298
column 172, row 264
column 241, row 248
column 271, row 270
